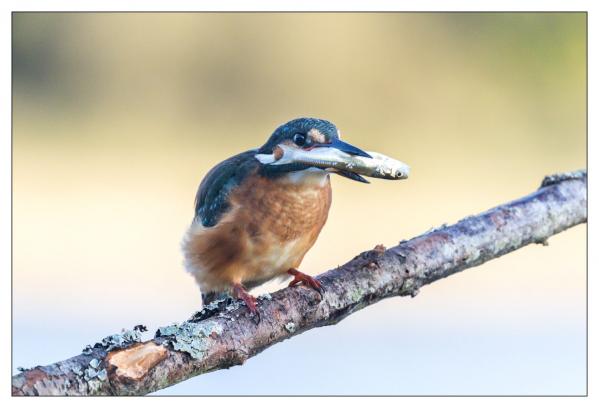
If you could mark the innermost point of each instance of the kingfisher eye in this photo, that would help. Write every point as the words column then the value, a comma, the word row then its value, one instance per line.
column 299, row 139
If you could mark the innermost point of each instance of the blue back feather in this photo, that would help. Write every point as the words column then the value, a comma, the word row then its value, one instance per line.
column 212, row 198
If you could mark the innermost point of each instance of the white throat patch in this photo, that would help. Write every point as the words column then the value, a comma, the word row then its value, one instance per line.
column 312, row 175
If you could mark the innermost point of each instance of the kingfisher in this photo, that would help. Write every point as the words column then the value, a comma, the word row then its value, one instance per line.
column 259, row 212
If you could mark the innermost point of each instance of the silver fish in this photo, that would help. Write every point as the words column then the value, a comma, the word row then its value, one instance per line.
column 379, row 166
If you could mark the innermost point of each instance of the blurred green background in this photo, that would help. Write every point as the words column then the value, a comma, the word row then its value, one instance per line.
column 117, row 117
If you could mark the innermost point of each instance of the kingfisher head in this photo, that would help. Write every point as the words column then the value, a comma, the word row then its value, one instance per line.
column 308, row 143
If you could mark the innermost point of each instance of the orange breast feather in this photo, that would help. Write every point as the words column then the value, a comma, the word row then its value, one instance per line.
column 270, row 227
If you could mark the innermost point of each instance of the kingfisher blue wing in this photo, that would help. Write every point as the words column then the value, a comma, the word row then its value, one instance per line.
column 212, row 198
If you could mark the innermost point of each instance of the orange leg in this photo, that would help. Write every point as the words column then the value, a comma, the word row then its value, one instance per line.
column 239, row 292
column 299, row 277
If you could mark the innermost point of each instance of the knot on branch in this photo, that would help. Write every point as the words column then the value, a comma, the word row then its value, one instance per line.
column 558, row 178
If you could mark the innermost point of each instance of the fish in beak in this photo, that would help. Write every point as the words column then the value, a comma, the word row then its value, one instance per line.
column 338, row 157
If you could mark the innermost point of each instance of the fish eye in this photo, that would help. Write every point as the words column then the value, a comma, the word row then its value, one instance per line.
column 300, row 139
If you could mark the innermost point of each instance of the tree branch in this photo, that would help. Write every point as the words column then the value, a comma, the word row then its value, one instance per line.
column 224, row 334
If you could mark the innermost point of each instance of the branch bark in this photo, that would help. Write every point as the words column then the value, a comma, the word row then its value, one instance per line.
column 223, row 334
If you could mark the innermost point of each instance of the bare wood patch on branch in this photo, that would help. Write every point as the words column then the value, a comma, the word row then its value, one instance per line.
column 136, row 361
column 224, row 334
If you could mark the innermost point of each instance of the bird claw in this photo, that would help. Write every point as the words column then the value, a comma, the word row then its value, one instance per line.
column 239, row 292
column 299, row 277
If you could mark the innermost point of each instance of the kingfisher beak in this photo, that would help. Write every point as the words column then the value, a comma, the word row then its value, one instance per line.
column 343, row 147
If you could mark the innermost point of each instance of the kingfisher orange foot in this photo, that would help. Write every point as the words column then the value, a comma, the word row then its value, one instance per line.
column 239, row 292
column 299, row 277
